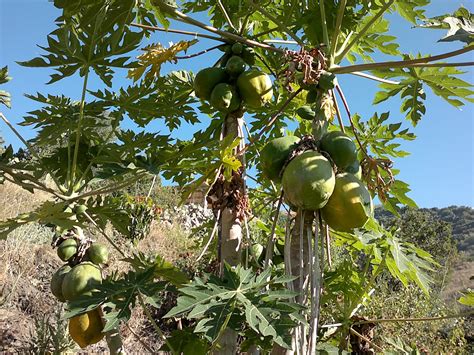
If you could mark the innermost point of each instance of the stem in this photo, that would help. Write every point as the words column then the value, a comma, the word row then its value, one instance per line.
column 400, row 63
column 213, row 233
column 110, row 188
column 364, row 29
column 343, row 98
column 152, row 185
column 153, row 323
column 279, row 24
column 282, row 41
column 20, row 137
column 271, row 239
column 226, row 15
column 338, row 112
column 198, row 53
column 421, row 319
column 78, row 132
column 185, row 18
column 181, row 32
column 271, row 122
column 270, row 30
column 104, row 234
column 337, row 29
column 366, row 339
column 375, row 78
column 324, row 23
column 139, row 338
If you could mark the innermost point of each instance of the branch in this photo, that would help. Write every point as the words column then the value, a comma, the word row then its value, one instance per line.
column 226, row 15
column 271, row 122
column 375, row 78
column 421, row 319
column 324, row 23
column 364, row 30
column 188, row 33
column 366, row 339
column 337, row 28
column 198, row 53
column 104, row 234
column 185, row 18
column 400, row 63
column 279, row 25
column 153, row 323
column 20, row 137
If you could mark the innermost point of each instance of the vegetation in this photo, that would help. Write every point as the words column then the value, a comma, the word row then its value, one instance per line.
column 277, row 293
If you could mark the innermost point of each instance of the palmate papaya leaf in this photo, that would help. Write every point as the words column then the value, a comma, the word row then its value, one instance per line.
column 460, row 25
column 168, row 98
column 382, row 138
column 47, row 213
column 411, row 10
column 162, row 268
column 107, row 209
column 118, row 296
column 4, row 96
column 444, row 82
column 149, row 63
column 374, row 40
column 238, row 296
column 184, row 341
column 95, row 37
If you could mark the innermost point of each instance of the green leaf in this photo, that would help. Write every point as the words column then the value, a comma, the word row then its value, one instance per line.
column 4, row 96
column 460, row 25
column 467, row 299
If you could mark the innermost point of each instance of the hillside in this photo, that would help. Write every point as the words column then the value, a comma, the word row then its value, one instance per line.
column 460, row 219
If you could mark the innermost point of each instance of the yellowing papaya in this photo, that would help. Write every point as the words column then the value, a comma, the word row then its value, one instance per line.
column 255, row 88
column 86, row 329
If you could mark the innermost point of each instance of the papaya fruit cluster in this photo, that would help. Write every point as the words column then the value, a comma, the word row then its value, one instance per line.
column 326, row 179
column 76, row 278
column 231, row 83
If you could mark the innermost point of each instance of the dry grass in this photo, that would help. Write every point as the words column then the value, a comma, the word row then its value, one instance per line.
column 27, row 263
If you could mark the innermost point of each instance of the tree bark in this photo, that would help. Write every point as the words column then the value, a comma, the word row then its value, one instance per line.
column 231, row 231
column 299, row 266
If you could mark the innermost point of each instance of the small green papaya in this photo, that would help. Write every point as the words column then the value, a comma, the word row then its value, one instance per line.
column 340, row 147
column 306, row 112
column 225, row 98
column 67, row 249
column 311, row 96
column 57, row 282
column 274, row 155
column 248, row 55
column 98, row 253
column 235, row 66
column 207, row 79
column 327, row 81
column 237, row 48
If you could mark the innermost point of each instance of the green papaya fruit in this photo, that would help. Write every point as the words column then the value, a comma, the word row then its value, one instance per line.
column 306, row 113
column 340, row 147
column 235, row 66
column 248, row 55
column 82, row 279
column 225, row 98
column 67, row 249
column 237, row 48
column 98, row 253
column 57, row 282
column 207, row 79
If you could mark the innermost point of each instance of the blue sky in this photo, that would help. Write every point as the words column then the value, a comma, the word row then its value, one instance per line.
column 440, row 169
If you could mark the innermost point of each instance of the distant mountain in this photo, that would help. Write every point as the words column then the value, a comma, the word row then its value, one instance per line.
column 461, row 219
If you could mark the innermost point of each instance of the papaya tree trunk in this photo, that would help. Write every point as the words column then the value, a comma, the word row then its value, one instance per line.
column 299, row 266
column 231, row 224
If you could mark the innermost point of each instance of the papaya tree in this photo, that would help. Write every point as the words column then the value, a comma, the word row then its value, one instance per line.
column 276, row 110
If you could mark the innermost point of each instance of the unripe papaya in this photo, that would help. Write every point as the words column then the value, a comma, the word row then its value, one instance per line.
column 237, row 48
column 255, row 88
column 340, row 147
column 98, row 253
column 225, row 98
column 274, row 155
column 306, row 113
column 81, row 280
column 67, row 249
column 327, row 81
column 308, row 181
column 248, row 55
column 235, row 66
column 355, row 169
column 206, row 80
column 57, row 282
